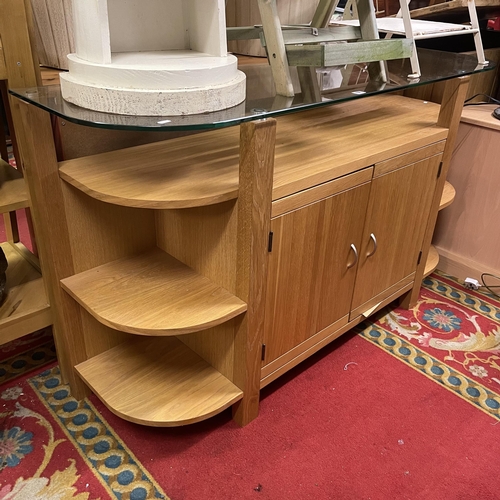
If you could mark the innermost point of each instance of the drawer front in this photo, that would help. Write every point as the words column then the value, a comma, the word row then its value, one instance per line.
column 387, row 166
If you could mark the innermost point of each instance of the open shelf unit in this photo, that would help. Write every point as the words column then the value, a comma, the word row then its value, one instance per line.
column 127, row 379
column 432, row 261
column 152, row 294
column 26, row 308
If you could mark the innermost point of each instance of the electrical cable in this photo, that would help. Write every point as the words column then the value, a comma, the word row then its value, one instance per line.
column 489, row 287
column 491, row 100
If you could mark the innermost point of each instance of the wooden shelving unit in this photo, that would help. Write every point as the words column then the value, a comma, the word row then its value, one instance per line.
column 152, row 294
column 26, row 307
column 13, row 193
column 158, row 382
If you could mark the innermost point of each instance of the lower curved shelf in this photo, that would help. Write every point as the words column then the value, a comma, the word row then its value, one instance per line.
column 448, row 196
column 158, row 382
column 432, row 261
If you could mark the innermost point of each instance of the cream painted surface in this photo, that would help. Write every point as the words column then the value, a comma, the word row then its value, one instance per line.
column 91, row 30
column 207, row 26
column 154, row 102
column 156, row 70
column 144, row 25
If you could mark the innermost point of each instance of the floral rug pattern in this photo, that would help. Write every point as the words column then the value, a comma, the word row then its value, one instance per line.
column 452, row 335
column 53, row 447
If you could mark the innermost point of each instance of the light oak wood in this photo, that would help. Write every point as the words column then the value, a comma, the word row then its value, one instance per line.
column 152, row 294
column 185, row 172
column 481, row 116
column 432, row 261
column 449, row 117
column 316, row 193
column 373, row 304
column 257, row 156
column 158, row 382
column 448, row 196
column 13, row 193
column 467, row 232
column 205, row 239
column 34, row 128
column 304, row 350
column 169, row 175
column 26, row 307
column 312, row 268
column 486, row 9
column 384, row 167
column 17, row 34
column 399, row 200
column 3, row 66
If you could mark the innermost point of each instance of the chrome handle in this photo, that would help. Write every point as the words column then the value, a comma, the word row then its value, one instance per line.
column 355, row 250
column 375, row 245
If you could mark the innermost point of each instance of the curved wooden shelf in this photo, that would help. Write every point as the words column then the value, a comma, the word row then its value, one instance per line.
column 152, row 294
column 432, row 261
column 26, row 308
column 448, row 195
column 180, row 173
column 13, row 193
column 158, row 382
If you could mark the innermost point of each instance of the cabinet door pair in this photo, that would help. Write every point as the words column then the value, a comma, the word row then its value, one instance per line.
column 332, row 257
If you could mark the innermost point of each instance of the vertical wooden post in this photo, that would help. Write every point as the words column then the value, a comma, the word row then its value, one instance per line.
column 42, row 175
column 257, row 143
column 449, row 117
column 276, row 47
column 369, row 31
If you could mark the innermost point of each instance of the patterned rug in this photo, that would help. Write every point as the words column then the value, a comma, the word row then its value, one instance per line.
column 451, row 336
column 53, row 447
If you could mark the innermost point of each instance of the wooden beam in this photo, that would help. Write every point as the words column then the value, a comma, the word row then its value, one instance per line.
column 349, row 53
column 449, row 117
column 257, row 144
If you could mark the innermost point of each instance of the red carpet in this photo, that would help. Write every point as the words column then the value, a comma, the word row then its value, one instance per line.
column 350, row 423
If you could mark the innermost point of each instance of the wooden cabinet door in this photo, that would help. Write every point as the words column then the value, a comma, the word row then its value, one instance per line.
column 312, row 268
column 396, row 219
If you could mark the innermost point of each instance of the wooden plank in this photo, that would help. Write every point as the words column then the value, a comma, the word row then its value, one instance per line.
column 13, row 193
column 193, row 172
column 158, row 382
column 22, row 71
column 41, row 174
column 449, row 117
column 457, row 10
column 323, row 13
column 167, row 177
column 348, row 53
column 257, row 148
column 304, row 35
column 152, row 294
column 276, row 47
column 387, row 166
column 325, row 190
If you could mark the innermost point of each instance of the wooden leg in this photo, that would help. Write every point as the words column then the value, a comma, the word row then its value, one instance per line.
column 276, row 47
column 34, row 130
column 257, row 143
column 449, row 117
column 11, row 229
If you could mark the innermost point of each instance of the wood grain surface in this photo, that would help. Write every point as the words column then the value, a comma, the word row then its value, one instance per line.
column 13, row 192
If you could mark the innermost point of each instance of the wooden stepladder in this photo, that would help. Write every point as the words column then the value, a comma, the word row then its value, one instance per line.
column 309, row 46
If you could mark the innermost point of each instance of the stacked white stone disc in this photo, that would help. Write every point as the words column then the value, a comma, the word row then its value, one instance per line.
column 152, row 58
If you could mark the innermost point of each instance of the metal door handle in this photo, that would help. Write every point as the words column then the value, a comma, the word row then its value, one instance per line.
column 355, row 250
column 375, row 245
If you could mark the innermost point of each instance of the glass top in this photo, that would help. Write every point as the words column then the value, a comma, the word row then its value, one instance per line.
column 337, row 84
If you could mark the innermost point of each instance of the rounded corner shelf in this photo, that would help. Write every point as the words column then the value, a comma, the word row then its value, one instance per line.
column 158, row 382
column 13, row 193
column 172, row 174
column 448, row 196
column 432, row 261
column 152, row 294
